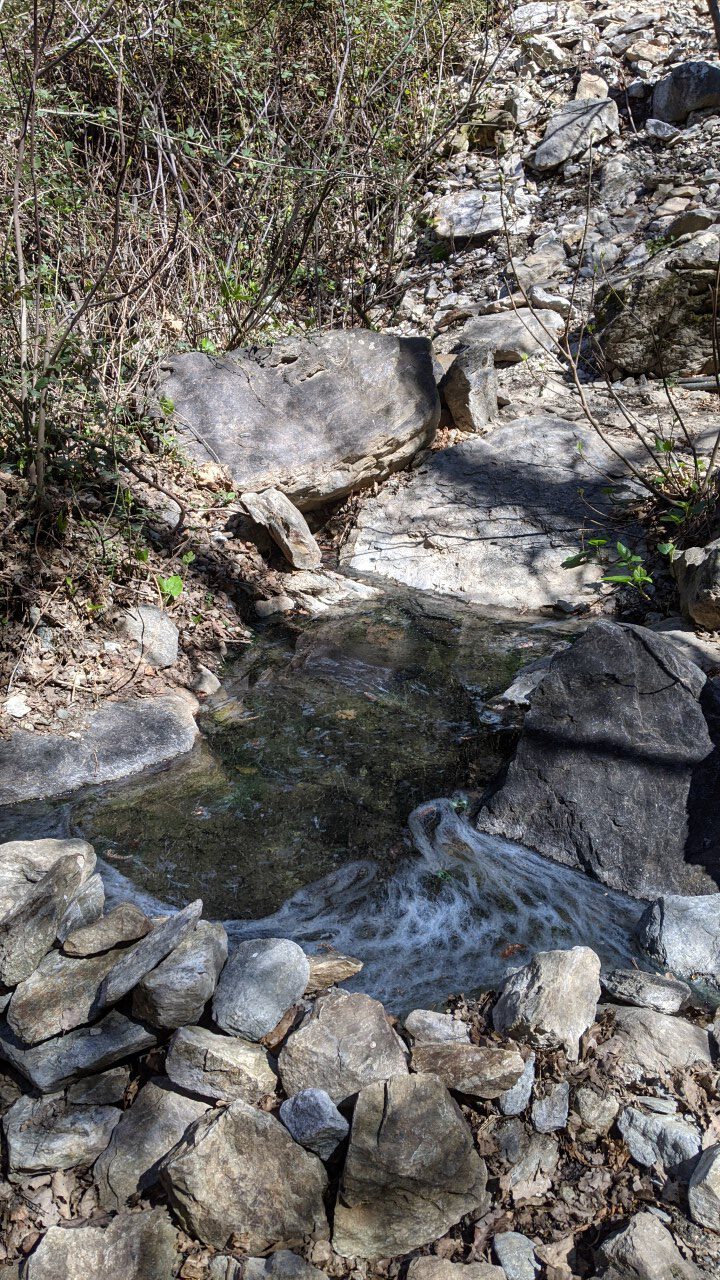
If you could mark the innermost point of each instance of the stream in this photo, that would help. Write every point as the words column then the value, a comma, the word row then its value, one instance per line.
column 307, row 810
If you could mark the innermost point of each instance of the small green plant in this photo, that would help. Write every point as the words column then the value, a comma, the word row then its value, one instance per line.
column 626, row 568
column 170, row 588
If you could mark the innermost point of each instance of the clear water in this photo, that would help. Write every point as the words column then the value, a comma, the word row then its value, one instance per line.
column 291, row 818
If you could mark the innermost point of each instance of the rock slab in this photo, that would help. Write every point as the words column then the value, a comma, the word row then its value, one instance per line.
column 606, row 768
column 218, row 1067
column 411, row 1171
column 133, row 1246
column 314, row 417
column 238, row 1174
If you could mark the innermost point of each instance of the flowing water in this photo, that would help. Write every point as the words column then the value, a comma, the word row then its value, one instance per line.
column 291, row 818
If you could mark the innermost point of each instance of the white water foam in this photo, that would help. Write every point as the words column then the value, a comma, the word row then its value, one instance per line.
column 469, row 909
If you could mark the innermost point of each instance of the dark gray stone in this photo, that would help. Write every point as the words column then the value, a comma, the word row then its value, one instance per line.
column 176, row 992
column 55, row 1063
column 314, row 1121
column 550, row 1110
column 704, row 1189
column 691, row 86
column 606, row 771
column 148, row 1130
column 683, row 934
column 573, row 129
column 28, row 932
column 697, row 573
column 262, row 979
column 646, row 990
column 121, row 738
column 139, row 959
column 314, row 417
column 469, row 389
column 47, row 1133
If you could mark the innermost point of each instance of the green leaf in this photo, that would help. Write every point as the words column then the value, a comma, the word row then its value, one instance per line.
column 572, row 562
column 171, row 587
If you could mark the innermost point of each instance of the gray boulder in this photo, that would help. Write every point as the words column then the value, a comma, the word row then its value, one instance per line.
column 23, row 863
column 314, row 1121
column 133, row 1246
column 238, row 1173
column 346, row 1043
column 511, row 336
column 469, row 215
column 175, row 993
column 697, row 573
column 127, row 923
column 219, row 1066
column 646, row 990
column 429, row 1268
column 65, row 991
column 29, row 930
column 659, row 1139
column 121, row 738
column 691, row 86
column 573, row 129
column 606, row 771
column 315, row 417
column 683, row 934
column 551, row 1001
column 491, row 520
column 53, row 1064
column 411, row 1171
column 262, row 980
column 646, row 1043
column 48, row 1133
column 704, row 1189
column 148, row 1130
column 286, row 526
column 643, row 1250
column 657, row 317
column 153, row 633
column 469, row 389
column 480, row 1071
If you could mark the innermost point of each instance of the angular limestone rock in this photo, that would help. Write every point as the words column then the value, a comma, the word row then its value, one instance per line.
column 55, row 1063
column 573, row 129
column 683, row 934
column 28, row 932
column 646, row 990
column 644, row 1250
column 126, row 923
column 176, row 992
column 238, row 1173
column 148, row 1130
column 262, row 979
column 411, row 1171
column 133, row 1246
column 286, row 526
column 346, row 1043
column 658, row 1139
column 552, row 1000
column 646, row 1043
column 475, row 1070
column 153, row 633
column 219, row 1066
column 428, row 1027
column 48, row 1133
column 704, row 1189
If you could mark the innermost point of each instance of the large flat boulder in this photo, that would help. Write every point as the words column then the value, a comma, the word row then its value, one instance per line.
column 607, row 775
column 238, row 1174
column 120, row 738
column 490, row 521
column 411, row 1171
column 314, row 417
column 55, row 1063
column 44, row 1134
